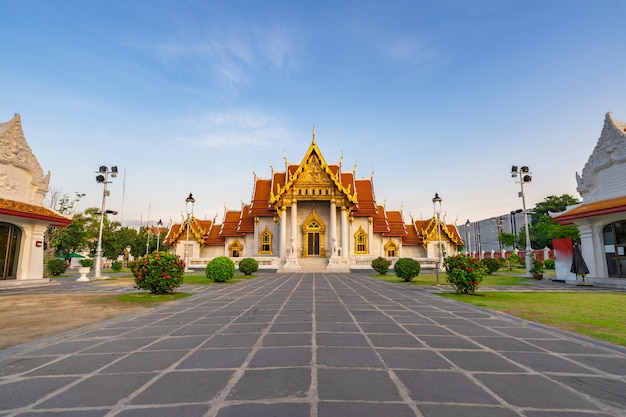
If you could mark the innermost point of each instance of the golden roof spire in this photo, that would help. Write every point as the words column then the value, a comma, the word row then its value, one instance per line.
column 313, row 134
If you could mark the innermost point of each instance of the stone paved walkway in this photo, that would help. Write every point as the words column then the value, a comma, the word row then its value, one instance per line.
column 313, row 345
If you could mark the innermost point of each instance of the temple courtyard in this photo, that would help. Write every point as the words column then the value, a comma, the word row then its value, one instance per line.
column 317, row 344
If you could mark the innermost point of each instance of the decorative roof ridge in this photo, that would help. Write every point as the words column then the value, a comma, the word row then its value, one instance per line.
column 610, row 148
column 290, row 178
column 14, row 150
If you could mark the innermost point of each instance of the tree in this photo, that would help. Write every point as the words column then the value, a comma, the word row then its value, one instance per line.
column 543, row 229
column 69, row 237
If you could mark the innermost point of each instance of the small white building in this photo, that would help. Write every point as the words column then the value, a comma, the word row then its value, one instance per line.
column 312, row 216
column 601, row 217
column 23, row 218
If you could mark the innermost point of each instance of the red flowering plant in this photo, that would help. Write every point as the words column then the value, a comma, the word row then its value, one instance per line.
column 464, row 273
column 159, row 272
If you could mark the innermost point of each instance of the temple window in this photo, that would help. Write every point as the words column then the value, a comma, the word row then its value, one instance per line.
column 235, row 249
column 360, row 242
column 391, row 249
column 265, row 242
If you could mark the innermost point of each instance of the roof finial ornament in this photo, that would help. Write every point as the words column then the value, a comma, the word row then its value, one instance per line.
column 354, row 167
column 372, row 174
column 313, row 134
column 253, row 173
column 340, row 160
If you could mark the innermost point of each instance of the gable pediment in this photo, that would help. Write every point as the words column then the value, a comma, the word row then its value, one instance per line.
column 313, row 179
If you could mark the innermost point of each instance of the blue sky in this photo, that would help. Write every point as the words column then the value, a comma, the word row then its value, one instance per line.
column 193, row 96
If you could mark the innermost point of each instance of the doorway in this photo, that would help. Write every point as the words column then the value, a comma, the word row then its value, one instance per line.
column 313, row 244
column 10, row 238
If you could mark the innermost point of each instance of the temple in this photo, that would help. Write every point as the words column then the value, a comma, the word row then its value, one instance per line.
column 312, row 217
column 23, row 217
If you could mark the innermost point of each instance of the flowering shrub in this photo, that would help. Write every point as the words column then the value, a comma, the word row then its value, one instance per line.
column 548, row 263
column 248, row 265
column 220, row 269
column 407, row 268
column 464, row 273
column 159, row 272
column 381, row 265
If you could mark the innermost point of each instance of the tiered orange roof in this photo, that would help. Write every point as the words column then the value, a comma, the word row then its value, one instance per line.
column 366, row 205
column 379, row 221
column 246, row 220
column 230, row 224
column 197, row 231
column 24, row 210
column 594, row 208
column 396, row 224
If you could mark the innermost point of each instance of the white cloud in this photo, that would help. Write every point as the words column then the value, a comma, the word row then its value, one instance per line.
column 234, row 130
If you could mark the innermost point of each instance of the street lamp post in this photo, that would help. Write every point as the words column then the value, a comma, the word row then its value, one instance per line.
column 437, row 206
column 102, row 178
column 524, row 177
column 159, row 224
column 467, row 237
column 189, row 207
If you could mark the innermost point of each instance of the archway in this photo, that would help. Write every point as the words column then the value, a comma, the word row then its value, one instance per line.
column 10, row 238
column 313, row 236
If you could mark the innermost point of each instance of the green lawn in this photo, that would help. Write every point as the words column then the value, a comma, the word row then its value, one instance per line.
column 428, row 277
column 601, row 316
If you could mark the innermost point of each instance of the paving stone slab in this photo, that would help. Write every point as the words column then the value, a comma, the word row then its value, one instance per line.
column 446, row 410
column 534, row 391
column 193, row 410
column 281, row 357
column 184, row 387
column 363, row 409
column 24, row 392
column 97, row 390
column 348, row 357
column 413, row 359
column 267, row 410
column 215, row 358
column 481, row 361
column 356, row 385
column 267, row 384
column 76, row 364
column 444, row 387
column 546, row 362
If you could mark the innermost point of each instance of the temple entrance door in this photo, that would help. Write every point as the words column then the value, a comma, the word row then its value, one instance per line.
column 313, row 236
column 313, row 244
column 10, row 236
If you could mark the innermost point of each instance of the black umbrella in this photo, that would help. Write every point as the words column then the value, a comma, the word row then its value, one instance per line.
column 579, row 267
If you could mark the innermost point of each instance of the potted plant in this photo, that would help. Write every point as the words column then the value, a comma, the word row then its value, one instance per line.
column 84, row 268
column 537, row 269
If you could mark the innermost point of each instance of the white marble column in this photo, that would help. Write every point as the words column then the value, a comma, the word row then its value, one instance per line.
column 283, row 232
column 333, row 228
column 293, row 244
column 344, row 233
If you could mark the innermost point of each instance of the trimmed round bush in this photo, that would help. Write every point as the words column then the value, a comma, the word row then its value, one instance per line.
column 116, row 266
column 220, row 269
column 159, row 272
column 248, row 266
column 548, row 264
column 381, row 265
column 514, row 260
column 56, row 267
column 491, row 265
column 407, row 268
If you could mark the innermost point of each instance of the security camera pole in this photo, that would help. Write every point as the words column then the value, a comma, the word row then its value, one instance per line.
column 524, row 177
